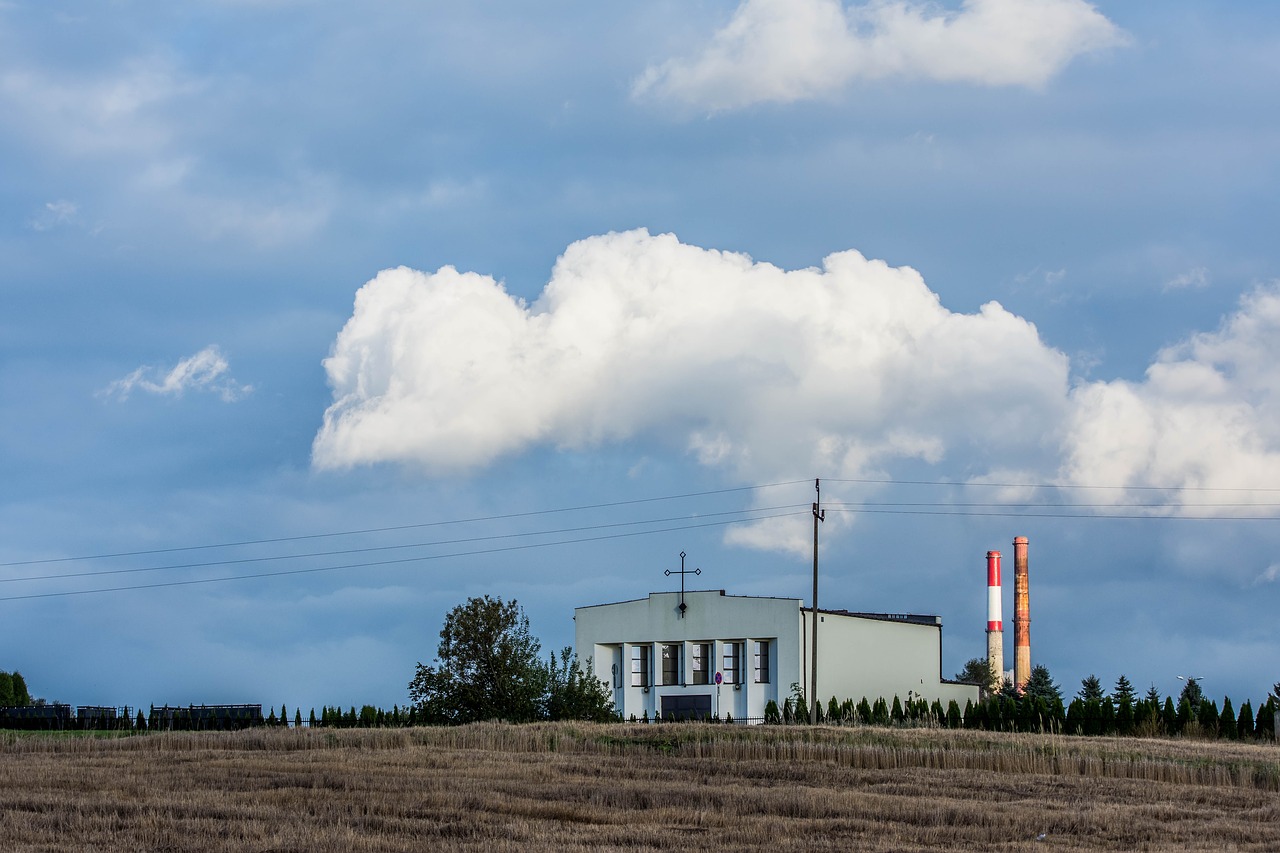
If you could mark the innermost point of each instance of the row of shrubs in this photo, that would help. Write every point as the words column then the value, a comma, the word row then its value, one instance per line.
column 1004, row 712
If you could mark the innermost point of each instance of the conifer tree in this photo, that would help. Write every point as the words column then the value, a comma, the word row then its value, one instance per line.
column 1207, row 717
column 1090, row 690
column 1244, row 722
column 1123, row 690
column 1264, row 725
column 1108, row 715
column 1227, row 720
column 1041, row 684
column 1125, row 720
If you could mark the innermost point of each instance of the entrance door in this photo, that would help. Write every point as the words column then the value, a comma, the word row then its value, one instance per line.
column 687, row 707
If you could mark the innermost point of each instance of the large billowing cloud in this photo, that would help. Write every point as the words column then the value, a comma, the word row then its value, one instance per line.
column 790, row 50
column 755, row 370
column 1207, row 416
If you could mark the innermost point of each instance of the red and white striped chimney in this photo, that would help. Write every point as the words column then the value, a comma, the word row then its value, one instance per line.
column 995, row 625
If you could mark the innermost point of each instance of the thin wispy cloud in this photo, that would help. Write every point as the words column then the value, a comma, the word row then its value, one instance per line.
column 55, row 213
column 206, row 372
column 790, row 50
column 1193, row 279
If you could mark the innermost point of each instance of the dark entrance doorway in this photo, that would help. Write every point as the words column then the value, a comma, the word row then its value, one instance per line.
column 689, row 707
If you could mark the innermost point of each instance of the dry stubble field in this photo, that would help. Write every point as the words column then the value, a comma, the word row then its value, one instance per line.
column 674, row 786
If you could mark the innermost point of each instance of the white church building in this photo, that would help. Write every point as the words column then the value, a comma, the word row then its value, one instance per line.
column 704, row 653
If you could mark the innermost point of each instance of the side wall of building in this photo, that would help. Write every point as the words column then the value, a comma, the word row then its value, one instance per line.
column 873, row 658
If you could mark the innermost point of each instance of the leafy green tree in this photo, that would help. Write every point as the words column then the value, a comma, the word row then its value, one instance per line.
column 895, row 713
column 487, row 667
column 1124, row 690
column 1090, row 690
column 6, row 689
column 772, row 715
column 573, row 694
column 864, row 712
column 978, row 671
column 1169, row 716
column 833, row 711
column 953, row 715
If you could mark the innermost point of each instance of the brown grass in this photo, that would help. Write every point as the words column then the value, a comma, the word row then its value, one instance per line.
column 580, row 786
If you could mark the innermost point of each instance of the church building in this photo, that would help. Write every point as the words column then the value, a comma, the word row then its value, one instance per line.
column 705, row 653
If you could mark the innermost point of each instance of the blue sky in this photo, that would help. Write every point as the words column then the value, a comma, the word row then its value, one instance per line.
column 613, row 252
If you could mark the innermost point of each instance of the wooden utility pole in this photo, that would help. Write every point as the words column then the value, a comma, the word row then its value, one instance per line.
column 819, row 514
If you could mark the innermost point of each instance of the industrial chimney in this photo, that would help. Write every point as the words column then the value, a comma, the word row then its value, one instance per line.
column 1021, row 616
column 995, row 625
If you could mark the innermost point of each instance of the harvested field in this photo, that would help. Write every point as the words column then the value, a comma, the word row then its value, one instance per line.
column 674, row 786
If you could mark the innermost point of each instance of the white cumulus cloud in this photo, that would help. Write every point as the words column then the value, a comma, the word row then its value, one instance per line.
column 752, row 369
column 1206, row 416
column 789, row 50
column 207, row 370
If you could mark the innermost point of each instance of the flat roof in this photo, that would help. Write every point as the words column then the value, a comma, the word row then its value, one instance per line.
column 911, row 618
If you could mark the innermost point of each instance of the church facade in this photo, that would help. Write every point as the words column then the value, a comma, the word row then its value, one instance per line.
column 706, row 654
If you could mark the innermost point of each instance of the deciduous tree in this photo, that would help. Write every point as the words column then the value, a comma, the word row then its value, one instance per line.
column 487, row 667
column 574, row 694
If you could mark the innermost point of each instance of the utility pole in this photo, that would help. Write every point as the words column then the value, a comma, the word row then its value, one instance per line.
column 819, row 514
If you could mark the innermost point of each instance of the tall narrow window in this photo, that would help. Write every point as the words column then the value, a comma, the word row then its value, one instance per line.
column 639, row 666
column 762, row 661
column 671, row 663
column 732, row 663
column 701, row 662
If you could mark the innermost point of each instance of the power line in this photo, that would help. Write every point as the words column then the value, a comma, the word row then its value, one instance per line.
column 1025, row 504
column 420, row 525
column 400, row 561
column 1059, row 486
column 375, row 548
column 1100, row 516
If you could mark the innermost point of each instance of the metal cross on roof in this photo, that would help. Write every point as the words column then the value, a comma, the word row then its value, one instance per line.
column 682, row 573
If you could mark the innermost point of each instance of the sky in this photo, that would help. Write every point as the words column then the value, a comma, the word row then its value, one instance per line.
column 316, row 321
